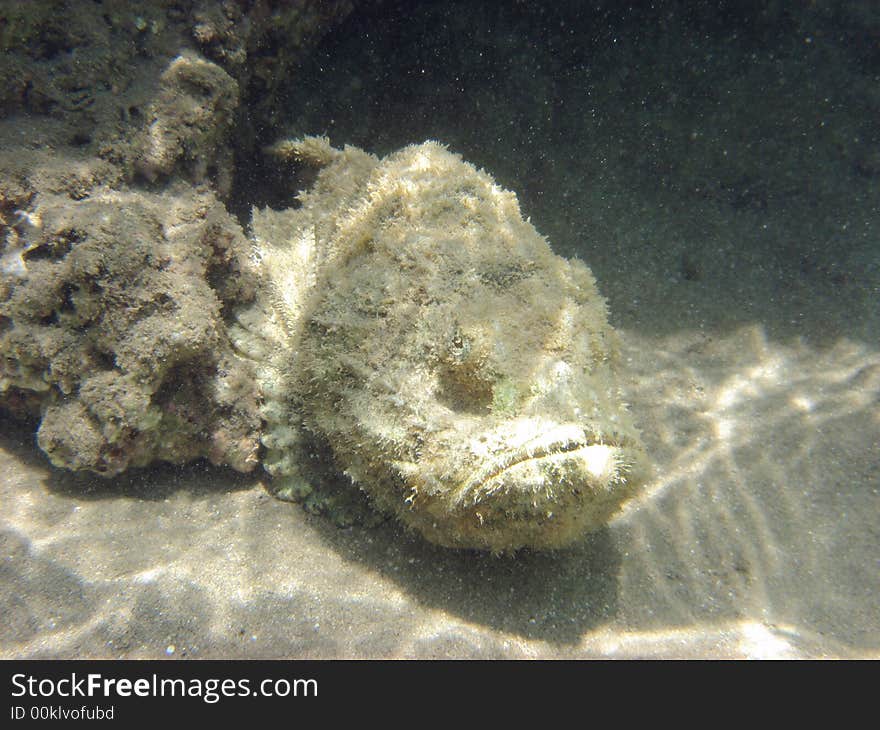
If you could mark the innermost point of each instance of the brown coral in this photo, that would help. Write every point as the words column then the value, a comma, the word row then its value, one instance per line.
column 110, row 314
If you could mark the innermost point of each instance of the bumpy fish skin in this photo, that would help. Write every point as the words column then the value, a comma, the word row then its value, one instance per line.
column 462, row 374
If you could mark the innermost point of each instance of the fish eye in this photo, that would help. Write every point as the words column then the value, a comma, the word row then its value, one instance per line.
column 465, row 380
column 459, row 346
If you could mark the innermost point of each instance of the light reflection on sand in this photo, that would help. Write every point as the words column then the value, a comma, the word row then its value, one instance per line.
column 756, row 538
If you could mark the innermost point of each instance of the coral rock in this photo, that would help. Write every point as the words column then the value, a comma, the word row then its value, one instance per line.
column 108, row 316
column 189, row 121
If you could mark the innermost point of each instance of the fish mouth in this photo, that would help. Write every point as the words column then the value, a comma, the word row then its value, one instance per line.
column 527, row 468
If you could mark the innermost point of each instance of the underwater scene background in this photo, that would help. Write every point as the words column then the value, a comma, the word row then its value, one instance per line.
column 717, row 167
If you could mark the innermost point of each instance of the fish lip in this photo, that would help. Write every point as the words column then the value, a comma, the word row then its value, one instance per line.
column 561, row 442
column 523, row 455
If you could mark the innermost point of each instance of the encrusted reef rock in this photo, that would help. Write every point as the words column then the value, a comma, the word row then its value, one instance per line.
column 120, row 124
column 111, row 317
column 462, row 374
column 158, row 88
column 188, row 121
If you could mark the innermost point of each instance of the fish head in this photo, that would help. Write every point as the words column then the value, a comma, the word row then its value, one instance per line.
column 522, row 434
column 462, row 372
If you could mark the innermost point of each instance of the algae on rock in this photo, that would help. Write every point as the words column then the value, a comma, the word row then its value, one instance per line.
column 120, row 125
column 112, row 318
column 188, row 121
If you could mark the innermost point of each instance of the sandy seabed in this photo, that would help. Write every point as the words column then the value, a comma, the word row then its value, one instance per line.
column 757, row 537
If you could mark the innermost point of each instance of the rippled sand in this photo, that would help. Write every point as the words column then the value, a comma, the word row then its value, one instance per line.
column 757, row 538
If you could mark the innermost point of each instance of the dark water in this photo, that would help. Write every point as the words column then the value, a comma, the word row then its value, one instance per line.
column 723, row 147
